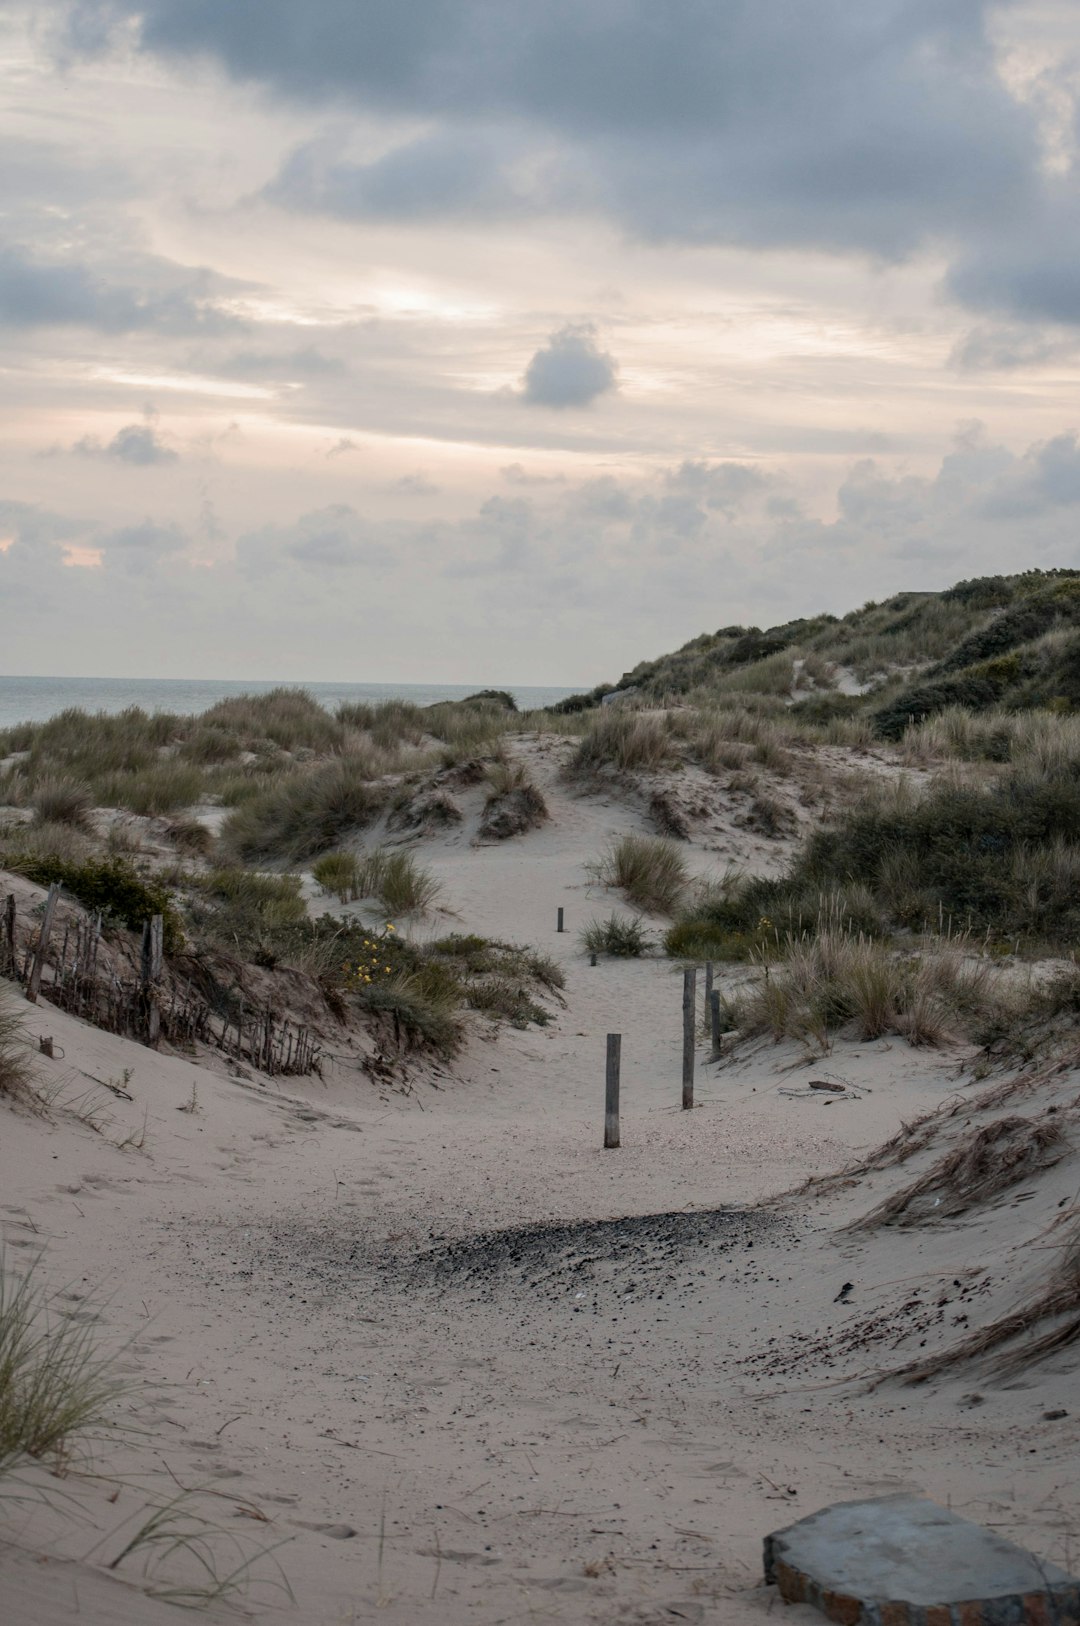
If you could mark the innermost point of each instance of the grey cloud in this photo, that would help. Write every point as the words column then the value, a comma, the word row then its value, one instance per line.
column 515, row 474
column 723, row 486
column 570, row 370
column 137, row 444
column 877, row 127
column 32, row 526
column 1028, row 272
column 328, row 539
column 1047, row 477
column 306, row 361
column 448, row 174
column 138, row 548
column 54, row 293
column 1006, row 346
column 416, row 485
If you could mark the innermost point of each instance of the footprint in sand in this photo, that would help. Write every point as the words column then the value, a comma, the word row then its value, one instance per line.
column 336, row 1532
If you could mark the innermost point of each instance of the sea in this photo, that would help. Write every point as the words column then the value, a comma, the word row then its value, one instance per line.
column 36, row 699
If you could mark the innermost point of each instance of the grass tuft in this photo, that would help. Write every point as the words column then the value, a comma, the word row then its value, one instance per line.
column 649, row 870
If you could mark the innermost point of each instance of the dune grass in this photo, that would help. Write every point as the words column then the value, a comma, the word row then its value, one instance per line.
column 619, row 936
column 54, row 1385
column 16, row 1067
column 62, row 800
column 649, row 870
column 838, row 981
column 304, row 816
column 625, row 740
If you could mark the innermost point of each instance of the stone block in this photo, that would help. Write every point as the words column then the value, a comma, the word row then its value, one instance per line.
column 904, row 1561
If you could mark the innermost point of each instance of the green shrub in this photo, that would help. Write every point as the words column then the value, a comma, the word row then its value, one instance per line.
column 111, row 885
column 401, row 885
column 619, row 936
column 649, row 870
column 474, row 956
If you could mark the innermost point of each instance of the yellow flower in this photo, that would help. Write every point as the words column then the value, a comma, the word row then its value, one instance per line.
column 389, row 927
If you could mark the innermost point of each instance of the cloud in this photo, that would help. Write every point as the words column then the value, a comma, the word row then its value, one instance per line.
column 305, row 361
column 1006, row 346
column 879, row 128
column 138, row 548
column 448, row 174
column 329, row 539
column 722, row 486
column 137, row 444
column 30, row 525
column 570, row 370
column 416, row 485
column 1028, row 272
column 64, row 293
column 515, row 474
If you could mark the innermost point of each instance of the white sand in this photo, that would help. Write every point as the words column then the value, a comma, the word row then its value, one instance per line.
column 518, row 1440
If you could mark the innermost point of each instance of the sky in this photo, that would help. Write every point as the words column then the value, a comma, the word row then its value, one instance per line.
column 481, row 340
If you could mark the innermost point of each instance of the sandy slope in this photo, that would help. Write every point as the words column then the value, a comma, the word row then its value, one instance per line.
column 397, row 1332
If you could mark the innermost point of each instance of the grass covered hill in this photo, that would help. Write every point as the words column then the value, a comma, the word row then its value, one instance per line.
column 997, row 641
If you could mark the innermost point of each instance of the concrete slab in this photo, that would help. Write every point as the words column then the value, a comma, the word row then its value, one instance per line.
column 904, row 1561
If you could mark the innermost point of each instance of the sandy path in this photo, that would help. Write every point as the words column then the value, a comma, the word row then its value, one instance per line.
column 580, row 1426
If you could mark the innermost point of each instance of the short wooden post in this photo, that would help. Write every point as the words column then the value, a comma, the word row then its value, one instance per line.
column 592, row 959
column 10, row 962
column 559, row 925
column 689, row 1003
column 708, row 994
column 38, row 965
column 714, row 1021
column 611, row 1092
column 152, row 957
column 45, row 1045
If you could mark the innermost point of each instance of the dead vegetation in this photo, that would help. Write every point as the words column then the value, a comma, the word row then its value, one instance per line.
column 985, row 1162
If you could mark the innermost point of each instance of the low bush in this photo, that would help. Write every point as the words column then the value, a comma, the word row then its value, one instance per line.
column 649, row 870
column 112, row 885
column 474, row 956
column 619, row 936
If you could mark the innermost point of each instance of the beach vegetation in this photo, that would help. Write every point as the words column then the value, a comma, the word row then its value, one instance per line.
column 649, row 870
column 621, row 936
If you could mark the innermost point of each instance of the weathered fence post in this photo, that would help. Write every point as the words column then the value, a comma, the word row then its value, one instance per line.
column 611, row 1090
column 689, row 1002
column 38, row 965
column 559, row 923
column 708, row 996
column 11, row 964
column 714, row 1021
column 153, row 942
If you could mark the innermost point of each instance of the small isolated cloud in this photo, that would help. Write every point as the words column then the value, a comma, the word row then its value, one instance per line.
column 515, row 474
column 137, row 444
column 570, row 370
column 341, row 447
column 416, row 485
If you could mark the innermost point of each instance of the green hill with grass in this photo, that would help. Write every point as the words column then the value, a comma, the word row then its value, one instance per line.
column 1010, row 642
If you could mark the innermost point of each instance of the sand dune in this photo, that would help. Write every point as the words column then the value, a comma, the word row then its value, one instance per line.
column 467, row 1365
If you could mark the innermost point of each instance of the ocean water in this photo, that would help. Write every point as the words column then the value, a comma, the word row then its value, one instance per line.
column 35, row 699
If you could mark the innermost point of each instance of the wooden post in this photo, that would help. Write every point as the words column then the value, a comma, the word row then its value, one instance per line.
column 559, row 926
column 689, row 1002
column 708, row 995
column 10, row 963
column 152, row 957
column 45, row 1045
column 611, row 1092
column 43, row 944
column 714, row 1021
